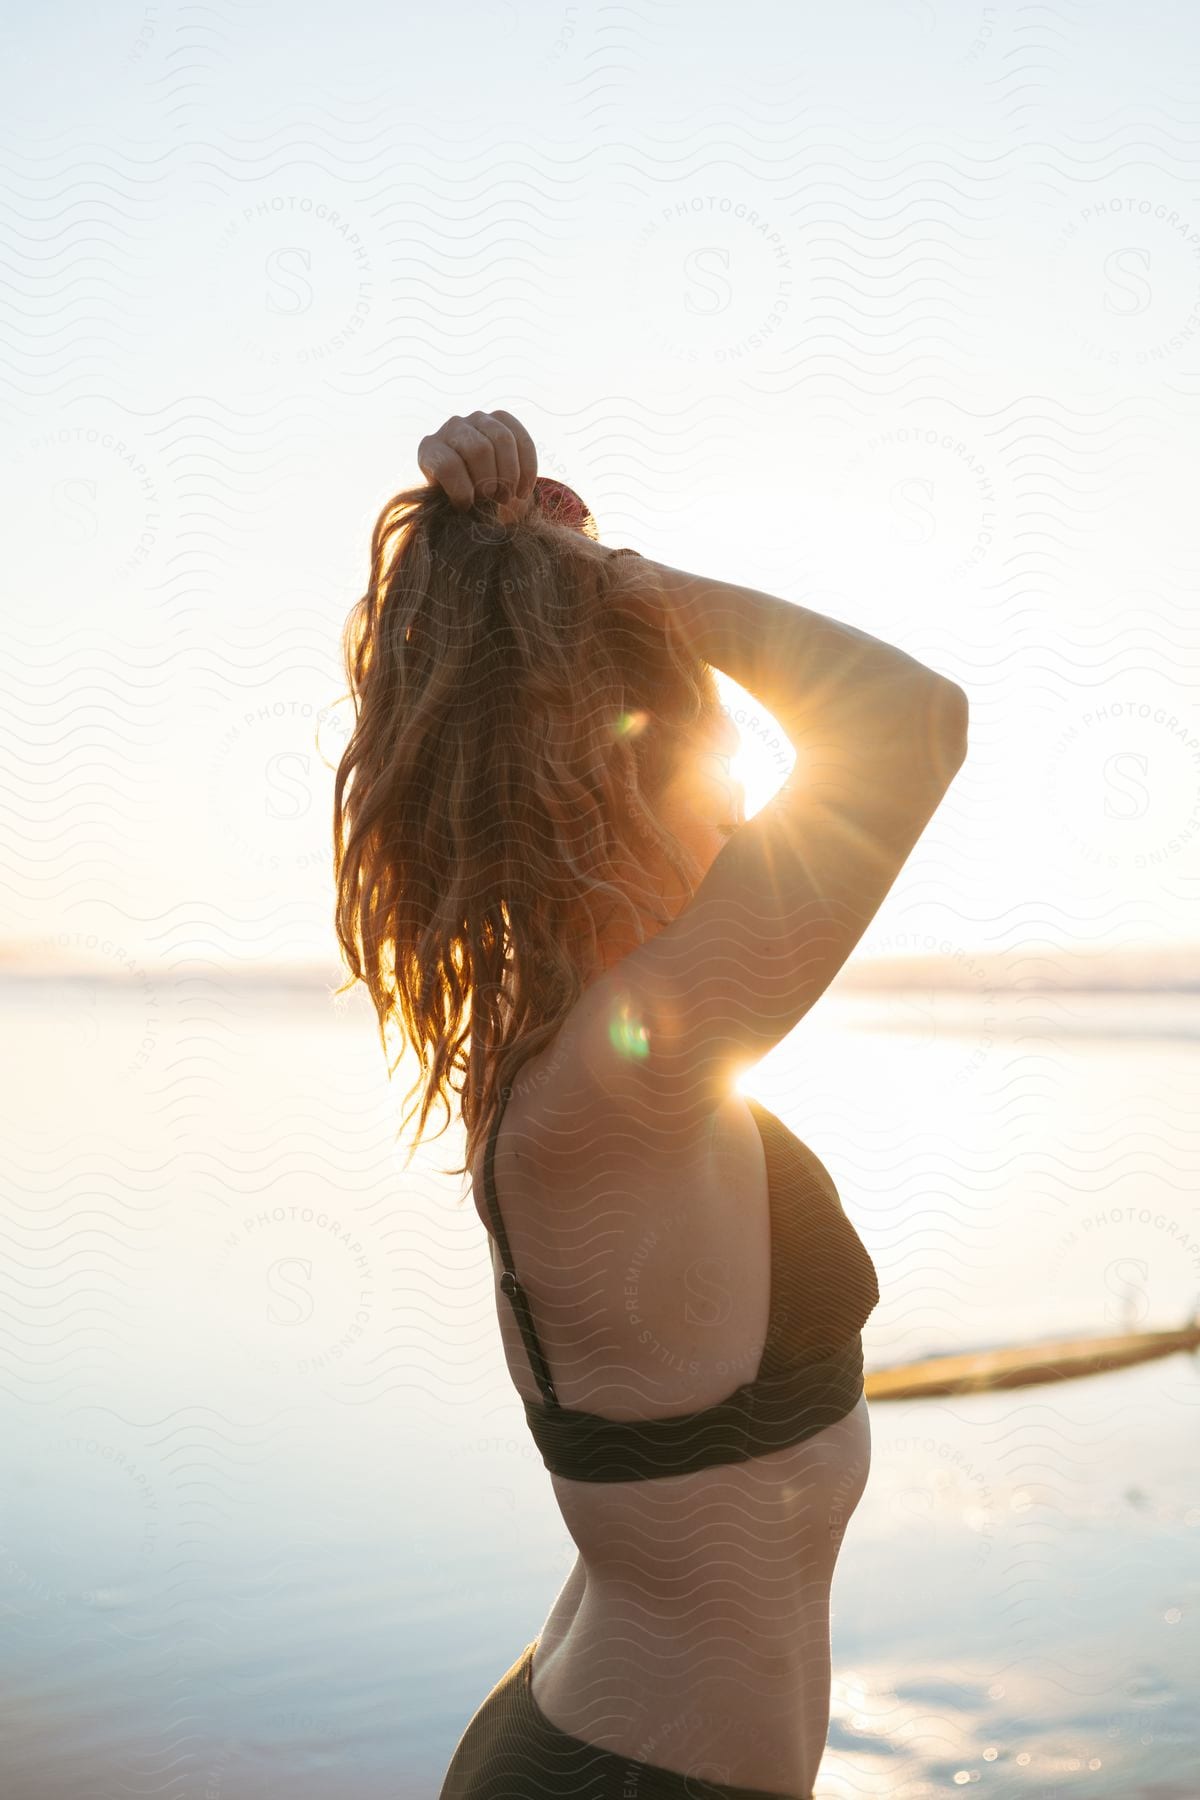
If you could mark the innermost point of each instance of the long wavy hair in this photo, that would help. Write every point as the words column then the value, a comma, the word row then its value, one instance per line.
column 522, row 694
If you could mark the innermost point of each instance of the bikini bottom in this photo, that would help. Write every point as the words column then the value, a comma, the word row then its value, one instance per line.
column 511, row 1751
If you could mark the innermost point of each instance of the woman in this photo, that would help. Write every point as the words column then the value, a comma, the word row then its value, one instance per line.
column 536, row 825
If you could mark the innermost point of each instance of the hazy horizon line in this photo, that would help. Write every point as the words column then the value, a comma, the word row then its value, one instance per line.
column 1157, row 969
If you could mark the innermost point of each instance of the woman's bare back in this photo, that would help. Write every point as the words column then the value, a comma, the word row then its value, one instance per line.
column 693, row 1632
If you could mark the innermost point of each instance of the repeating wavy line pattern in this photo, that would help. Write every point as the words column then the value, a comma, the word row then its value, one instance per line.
column 893, row 309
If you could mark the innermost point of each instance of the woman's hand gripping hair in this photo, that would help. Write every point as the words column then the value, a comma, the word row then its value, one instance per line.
column 491, row 456
column 486, row 456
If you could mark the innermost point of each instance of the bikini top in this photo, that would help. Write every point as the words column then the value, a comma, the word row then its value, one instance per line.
column 823, row 1289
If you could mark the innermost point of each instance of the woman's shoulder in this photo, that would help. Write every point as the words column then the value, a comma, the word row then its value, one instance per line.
column 581, row 1118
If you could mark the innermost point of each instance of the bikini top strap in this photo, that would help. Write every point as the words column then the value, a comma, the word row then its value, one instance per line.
column 508, row 1281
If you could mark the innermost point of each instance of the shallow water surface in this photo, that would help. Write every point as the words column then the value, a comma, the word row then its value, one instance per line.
column 270, row 1521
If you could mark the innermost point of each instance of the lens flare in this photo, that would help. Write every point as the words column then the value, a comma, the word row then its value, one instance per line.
column 627, row 1034
column 631, row 724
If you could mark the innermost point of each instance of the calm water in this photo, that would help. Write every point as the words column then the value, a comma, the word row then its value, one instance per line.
column 270, row 1523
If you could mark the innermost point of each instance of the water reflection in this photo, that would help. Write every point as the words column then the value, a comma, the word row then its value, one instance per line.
column 270, row 1522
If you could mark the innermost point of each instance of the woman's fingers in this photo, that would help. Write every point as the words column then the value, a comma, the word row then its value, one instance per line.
column 526, row 452
column 496, row 474
column 439, row 461
column 463, row 459
column 479, row 443
column 486, row 455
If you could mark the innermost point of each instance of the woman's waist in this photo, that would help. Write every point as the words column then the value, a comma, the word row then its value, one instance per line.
column 732, row 1685
column 769, row 1527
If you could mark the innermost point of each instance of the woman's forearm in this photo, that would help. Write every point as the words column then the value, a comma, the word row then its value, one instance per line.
column 809, row 670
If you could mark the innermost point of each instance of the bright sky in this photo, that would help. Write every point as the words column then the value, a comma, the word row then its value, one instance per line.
column 890, row 308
